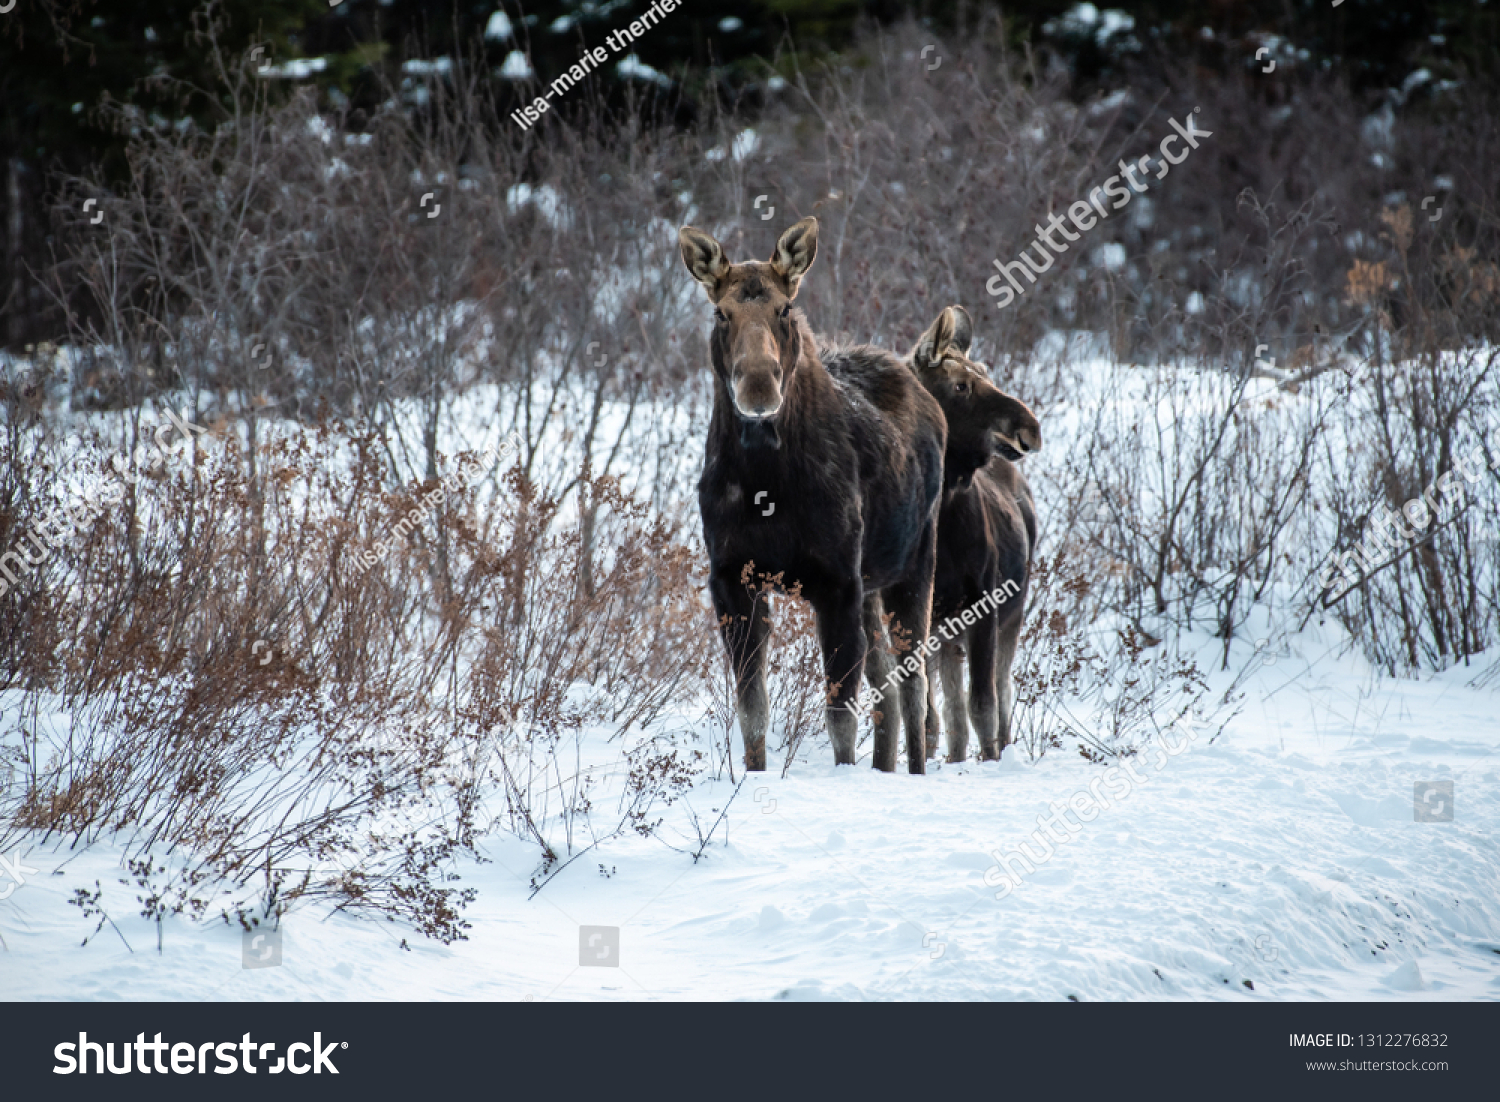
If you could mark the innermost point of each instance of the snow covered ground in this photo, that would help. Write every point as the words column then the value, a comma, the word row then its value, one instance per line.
column 1284, row 861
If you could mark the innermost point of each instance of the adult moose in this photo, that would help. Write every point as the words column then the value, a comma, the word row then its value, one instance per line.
column 827, row 476
column 986, row 533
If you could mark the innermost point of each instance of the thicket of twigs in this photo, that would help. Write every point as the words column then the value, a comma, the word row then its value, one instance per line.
column 328, row 292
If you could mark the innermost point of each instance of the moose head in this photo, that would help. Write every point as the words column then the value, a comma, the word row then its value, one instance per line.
column 981, row 417
column 757, row 341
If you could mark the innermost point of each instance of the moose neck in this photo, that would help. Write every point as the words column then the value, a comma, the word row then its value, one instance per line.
column 962, row 460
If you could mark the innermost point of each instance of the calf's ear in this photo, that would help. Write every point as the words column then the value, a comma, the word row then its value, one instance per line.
column 794, row 253
column 704, row 258
column 963, row 328
column 932, row 344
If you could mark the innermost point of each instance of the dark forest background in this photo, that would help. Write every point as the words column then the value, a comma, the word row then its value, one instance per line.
column 63, row 63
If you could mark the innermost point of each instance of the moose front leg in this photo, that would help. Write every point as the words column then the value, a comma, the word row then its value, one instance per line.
column 934, row 728
column 910, row 602
column 911, row 674
column 983, row 707
column 745, row 624
column 842, row 637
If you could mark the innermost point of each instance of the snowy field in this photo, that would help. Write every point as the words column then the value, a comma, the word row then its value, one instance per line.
column 1281, row 862
column 1282, row 859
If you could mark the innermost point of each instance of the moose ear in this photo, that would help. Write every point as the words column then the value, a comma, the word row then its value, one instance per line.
column 795, row 252
column 931, row 345
column 704, row 258
column 962, row 328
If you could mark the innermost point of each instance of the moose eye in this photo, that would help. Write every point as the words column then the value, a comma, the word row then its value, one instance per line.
column 961, row 388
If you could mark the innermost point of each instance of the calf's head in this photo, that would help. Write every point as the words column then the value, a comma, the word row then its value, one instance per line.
column 756, row 340
column 981, row 418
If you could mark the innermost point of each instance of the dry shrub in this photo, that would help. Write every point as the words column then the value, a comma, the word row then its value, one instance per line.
column 279, row 262
column 560, row 658
column 197, row 715
column 1431, row 601
column 238, row 686
column 1108, row 691
column 1426, row 396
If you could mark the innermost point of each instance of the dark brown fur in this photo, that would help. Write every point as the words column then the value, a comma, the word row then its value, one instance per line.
column 986, row 534
column 850, row 461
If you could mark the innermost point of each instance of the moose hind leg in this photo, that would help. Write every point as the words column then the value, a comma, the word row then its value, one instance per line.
column 983, row 709
column 1010, row 635
column 934, row 728
column 955, row 719
column 878, row 667
column 913, row 607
